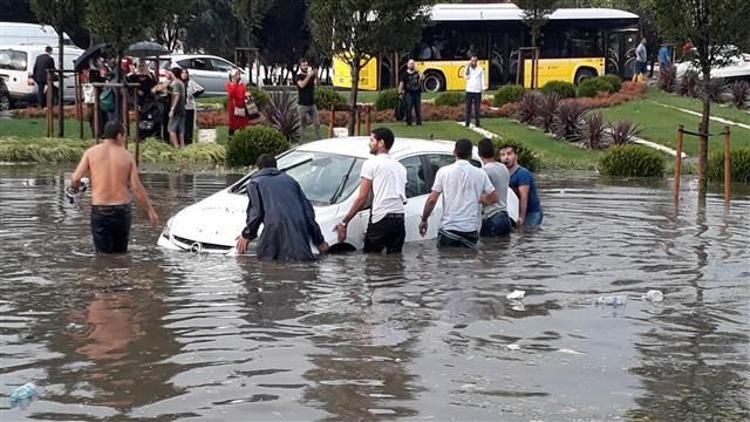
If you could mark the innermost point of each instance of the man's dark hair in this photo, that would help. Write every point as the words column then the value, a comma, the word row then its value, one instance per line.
column 463, row 149
column 302, row 60
column 48, row 49
column 473, row 56
column 508, row 146
column 384, row 134
column 112, row 129
column 486, row 148
column 177, row 71
column 265, row 161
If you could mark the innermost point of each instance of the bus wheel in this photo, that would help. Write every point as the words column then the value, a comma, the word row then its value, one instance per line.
column 433, row 82
column 584, row 74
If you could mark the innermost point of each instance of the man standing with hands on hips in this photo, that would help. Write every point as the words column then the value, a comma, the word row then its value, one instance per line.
column 386, row 179
column 474, row 76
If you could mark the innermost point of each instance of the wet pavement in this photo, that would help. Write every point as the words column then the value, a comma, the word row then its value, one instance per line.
column 430, row 335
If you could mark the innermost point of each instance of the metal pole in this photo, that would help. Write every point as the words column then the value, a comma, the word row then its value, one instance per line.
column 97, row 123
column 727, row 167
column 49, row 104
column 678, row 165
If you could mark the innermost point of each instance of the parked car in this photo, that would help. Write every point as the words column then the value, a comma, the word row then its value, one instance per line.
column 737, row 68
column 17, row 64
column 15, row 33
column 210, row 72
column 328, row 172
column 4, row 95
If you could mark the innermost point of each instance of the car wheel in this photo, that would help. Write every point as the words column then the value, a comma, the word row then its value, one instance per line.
column 584, row 74
column 433, row 82
column 4, row 102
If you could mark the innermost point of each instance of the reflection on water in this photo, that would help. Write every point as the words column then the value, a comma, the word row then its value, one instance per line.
column 430, row 335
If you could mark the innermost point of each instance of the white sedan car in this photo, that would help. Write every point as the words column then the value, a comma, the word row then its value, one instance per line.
column 210, row 72
column 736, row 68
column 328, row 172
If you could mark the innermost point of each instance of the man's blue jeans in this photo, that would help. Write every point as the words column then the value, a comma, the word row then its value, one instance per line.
column 497, row 225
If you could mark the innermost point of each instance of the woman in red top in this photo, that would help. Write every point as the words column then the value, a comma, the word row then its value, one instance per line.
column 236, row 95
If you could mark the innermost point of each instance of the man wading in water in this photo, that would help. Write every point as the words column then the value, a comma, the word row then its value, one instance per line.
column 113, row 175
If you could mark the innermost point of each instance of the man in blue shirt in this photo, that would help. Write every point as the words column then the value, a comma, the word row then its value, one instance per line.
column 522, row 182
column 664, row 57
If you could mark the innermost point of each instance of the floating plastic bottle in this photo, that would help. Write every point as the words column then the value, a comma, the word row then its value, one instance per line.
column 73, row 195
column 610, row 301
column 24, row 393
column 654, row 296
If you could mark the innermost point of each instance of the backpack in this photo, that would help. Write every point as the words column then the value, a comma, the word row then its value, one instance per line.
column 107, row 100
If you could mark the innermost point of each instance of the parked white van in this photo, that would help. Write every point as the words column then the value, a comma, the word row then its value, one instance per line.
column 17, row 64
column 13, row 33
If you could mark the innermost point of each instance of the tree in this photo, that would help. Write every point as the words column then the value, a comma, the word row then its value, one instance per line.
column 174, row 17
column 250, row 13
column 713, row 27
column 61, row 15
column 284, row 34
column 120, row 23
column 535, row 16
column 357, row 30
column 215, row 28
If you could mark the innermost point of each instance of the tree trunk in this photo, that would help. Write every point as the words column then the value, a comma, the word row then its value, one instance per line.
column 704, row 129
column 61, row 66
column 534, row 36
column 353, row 94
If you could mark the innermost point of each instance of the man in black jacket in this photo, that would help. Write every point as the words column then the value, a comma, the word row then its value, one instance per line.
column 41, row 65
column 277, row 201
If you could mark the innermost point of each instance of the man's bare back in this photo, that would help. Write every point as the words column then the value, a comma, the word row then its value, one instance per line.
column 110, row 166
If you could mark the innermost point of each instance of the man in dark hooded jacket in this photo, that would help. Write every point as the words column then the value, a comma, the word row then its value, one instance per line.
column 277, row 202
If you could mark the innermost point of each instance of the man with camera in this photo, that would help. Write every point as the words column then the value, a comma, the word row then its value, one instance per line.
column 306, row 80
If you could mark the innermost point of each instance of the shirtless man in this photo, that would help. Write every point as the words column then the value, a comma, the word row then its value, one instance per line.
column 113, row 175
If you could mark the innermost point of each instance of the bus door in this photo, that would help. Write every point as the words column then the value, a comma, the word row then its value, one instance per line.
column 621, row 52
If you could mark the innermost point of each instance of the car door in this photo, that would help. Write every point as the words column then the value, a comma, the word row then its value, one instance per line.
column 417, row 190
column 220, row 73
column 202, row 73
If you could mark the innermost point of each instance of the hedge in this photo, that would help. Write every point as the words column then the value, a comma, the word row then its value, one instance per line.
column 561, row 88
column 386, row 99
column 740, row 165
column 508, row 94
column 632, row 161
column 592, row 87
column 246, row 145
column 450, row 99
column 527, row 157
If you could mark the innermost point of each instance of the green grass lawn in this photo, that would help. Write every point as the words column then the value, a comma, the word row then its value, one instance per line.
column 37, row 128
column 725, row 111
column 553, row 153
column 660, row 125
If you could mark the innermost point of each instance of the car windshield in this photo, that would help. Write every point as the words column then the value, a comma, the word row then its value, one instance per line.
column 13, row 59
column 324, row 178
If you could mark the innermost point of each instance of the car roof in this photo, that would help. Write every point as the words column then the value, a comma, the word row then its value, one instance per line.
column 36, row 48
column 358, row 146
column 194, row 56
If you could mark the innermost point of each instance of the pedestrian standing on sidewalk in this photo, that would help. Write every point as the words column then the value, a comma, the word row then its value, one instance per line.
column 410, row 88
column 474, row 76
column 306, row 80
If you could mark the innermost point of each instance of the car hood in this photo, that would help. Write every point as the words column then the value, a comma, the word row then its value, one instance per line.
column 220, row 218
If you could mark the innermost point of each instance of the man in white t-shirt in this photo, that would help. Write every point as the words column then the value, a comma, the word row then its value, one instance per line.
column 474, row 76
column 465, row 188
column 386, row 179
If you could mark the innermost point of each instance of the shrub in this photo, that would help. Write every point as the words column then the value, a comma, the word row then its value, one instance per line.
column 623, row 131
column 527, row 157
column 528, row 108
column 593, row 131
column 688, row 85
column 561, row 88
column 547, row 109
column 668, row 79
column 202, row 154
column 327, row 98
column 613, row 80
column 713, row 89
column 47, row 150
column 248, row 144
column 631, row 161
column 386, row 99
column 592, row 87
column 507, row 94
column 283, row 116
column 567, row 121
column 740, row 93
column 740, row 165
column 260, row 97
column 451, row 99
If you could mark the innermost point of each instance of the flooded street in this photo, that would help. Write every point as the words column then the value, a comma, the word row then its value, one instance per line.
column 430, row 335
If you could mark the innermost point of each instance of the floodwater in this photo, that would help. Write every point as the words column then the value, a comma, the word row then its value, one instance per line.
column 430, row 335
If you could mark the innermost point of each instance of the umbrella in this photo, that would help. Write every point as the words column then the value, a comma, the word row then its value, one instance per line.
column 146, row 49
column 90, row 53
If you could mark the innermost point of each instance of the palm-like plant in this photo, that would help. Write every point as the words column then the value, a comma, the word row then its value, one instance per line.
column 567, row 123
column 547, row 109
column 528, row 108
column 281, row 113
column 623, row 131
column 740, row 93
column 593, row 131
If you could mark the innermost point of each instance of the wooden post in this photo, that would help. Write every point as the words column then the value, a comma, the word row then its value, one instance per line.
column 678, row 165
column 49, row 110
column 368, row 119
column 61, row 122
column 137, row 129
column 125, row 114
column 79, row 106
column 703, row 144
column 727, row 167
column 518, row 70
column 97, row 123
column 331, row 121
column 357, row 121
